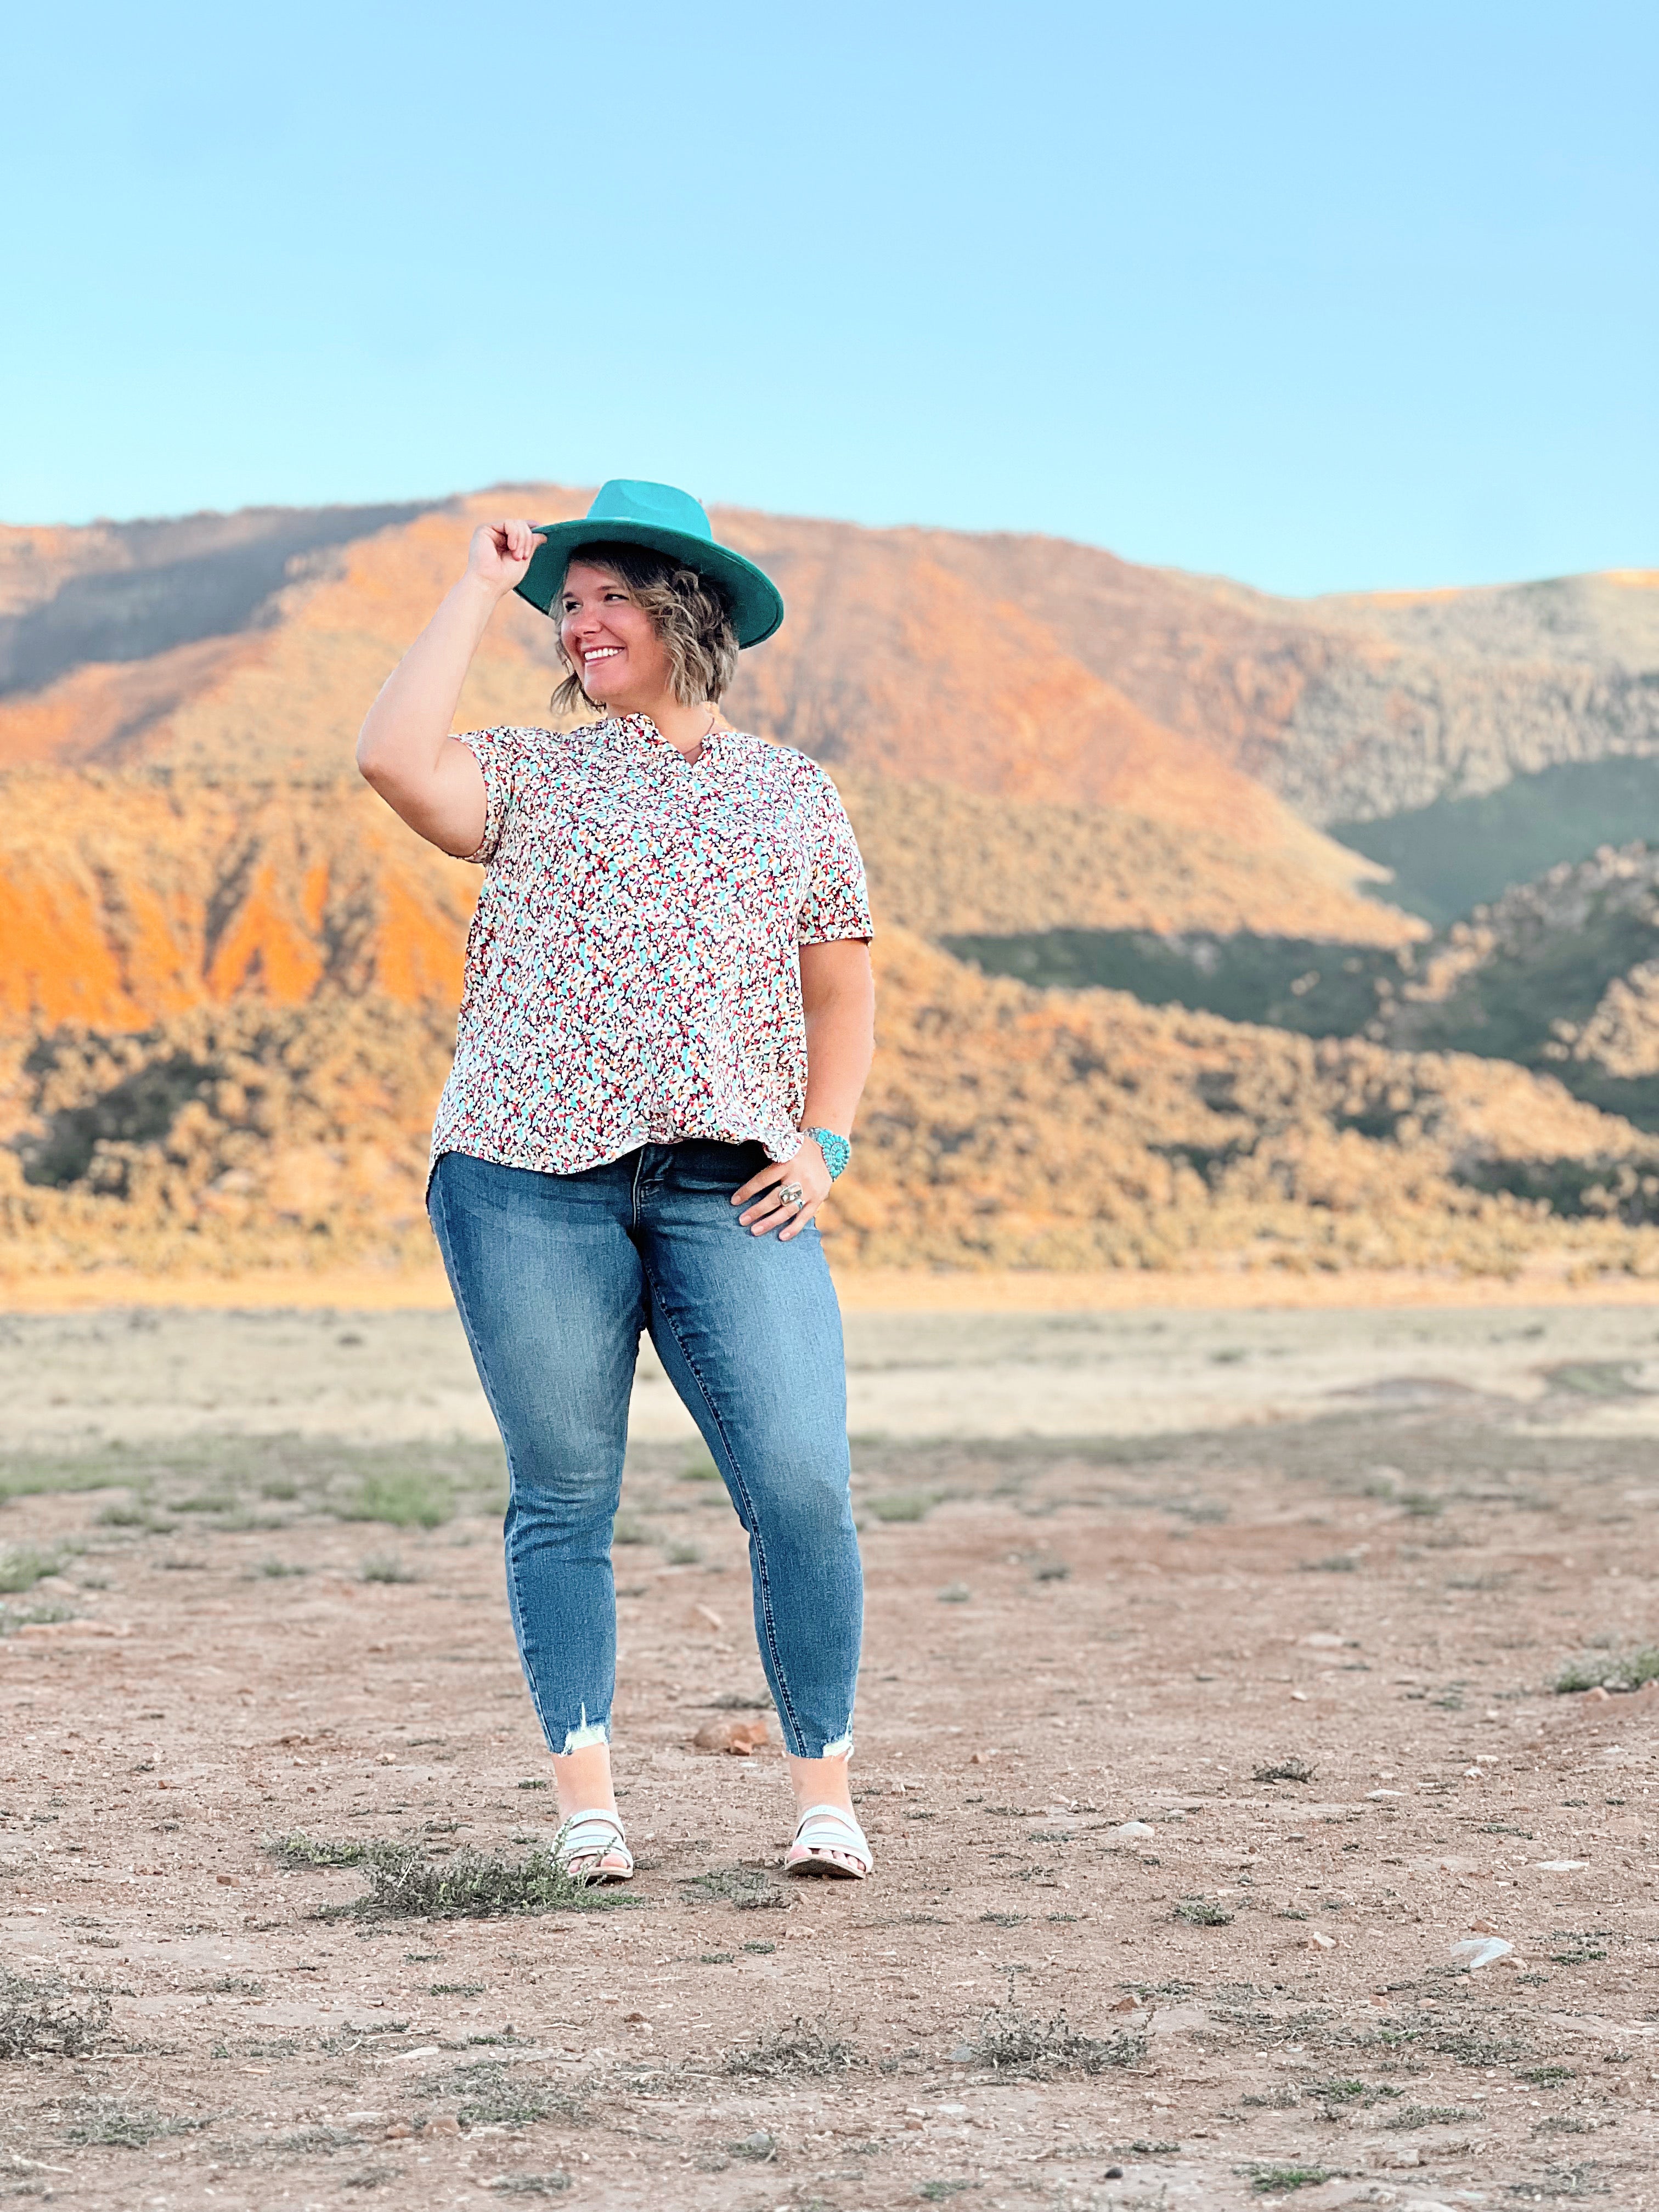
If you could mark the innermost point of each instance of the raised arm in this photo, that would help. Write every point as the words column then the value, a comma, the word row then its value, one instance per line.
column 405, row 748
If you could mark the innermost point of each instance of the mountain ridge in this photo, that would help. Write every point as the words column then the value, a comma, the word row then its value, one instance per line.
column 229, row 974
column 1349, row 706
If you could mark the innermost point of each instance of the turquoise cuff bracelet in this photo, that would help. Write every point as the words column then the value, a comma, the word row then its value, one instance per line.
column 836, row 1151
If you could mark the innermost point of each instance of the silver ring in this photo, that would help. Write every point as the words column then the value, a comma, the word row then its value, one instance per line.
column 791, row 1193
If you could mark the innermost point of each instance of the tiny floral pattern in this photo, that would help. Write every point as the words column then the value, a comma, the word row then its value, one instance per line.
column 632, row 975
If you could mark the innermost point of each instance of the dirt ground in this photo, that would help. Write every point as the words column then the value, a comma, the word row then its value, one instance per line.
column 1290, row 1593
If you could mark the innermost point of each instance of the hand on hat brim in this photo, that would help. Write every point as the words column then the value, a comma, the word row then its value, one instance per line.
column 500, row 552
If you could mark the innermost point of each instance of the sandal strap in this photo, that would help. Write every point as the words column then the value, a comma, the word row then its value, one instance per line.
column 590, row 1835
column 831, row 1828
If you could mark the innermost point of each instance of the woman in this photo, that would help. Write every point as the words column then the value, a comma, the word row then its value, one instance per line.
column 666, row 1026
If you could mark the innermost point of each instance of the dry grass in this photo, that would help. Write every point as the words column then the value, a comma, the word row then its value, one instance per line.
column 797, row 2051
column 40, row 2014
column 1010, row 2042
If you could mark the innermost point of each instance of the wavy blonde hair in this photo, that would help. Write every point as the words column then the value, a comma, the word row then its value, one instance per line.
column 689, row 612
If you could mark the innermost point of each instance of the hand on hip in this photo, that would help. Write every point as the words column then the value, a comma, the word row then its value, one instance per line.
column 785, row 1195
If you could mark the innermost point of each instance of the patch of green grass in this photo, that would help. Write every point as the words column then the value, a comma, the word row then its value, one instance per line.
column 628, row 1528
column 403, row 1884
column 41, row 2016
column 1340, row 1563
column 409, row 1483
column 935, row 2192
column 1203, row 1512
column 455, row 1988
column 1471, row 2047
column 13, row 1617
column 410, row 1497
column 490, row 2094
column 22, row 1566
column 108, row 2121
column 791, row 2053
column 32, row 1474
column 352, row 2035
column 529, row 2185
column 1598, row 1672
column 680, row 1554
column 297, row 1850
column 1421, row 1504
column 1003, row 1919
column 206, row 1502
column 1010, row 2043
column 1427, row 2116
column 1051, row 1570
column 1595, row 1378
column 700, row 1470
column 903, row 1505
column 954, row 1593
column 1271, row 2180
column 386, row 1567
column 749, row 1888
column 308, row 2141
column 137, row 1516
column 759, row 2147
column 1202, row 1912
column 1546, row 2077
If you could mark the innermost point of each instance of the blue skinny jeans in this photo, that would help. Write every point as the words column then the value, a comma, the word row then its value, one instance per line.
column 554, row 1277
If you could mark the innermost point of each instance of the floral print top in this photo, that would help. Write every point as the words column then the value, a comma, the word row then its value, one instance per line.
column 632, row 975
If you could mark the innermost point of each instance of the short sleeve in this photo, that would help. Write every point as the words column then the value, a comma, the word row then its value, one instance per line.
column 838, row 901
column 498, row 753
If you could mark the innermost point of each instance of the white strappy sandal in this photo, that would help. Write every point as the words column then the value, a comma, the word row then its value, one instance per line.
column 591, row 1847
column 822, row 1829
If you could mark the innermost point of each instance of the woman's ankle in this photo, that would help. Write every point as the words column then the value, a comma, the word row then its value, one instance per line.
column 583, row 1780
column 820, row 1782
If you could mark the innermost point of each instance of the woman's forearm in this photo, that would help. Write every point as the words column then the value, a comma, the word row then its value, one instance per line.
column 839, row 995
column 406, row 727
column 405, row 748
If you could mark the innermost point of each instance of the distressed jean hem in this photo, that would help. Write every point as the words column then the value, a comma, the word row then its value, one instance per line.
column 584, row 1737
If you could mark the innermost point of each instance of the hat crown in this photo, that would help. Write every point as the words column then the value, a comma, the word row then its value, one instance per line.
column 624, row 499
column 627, row 512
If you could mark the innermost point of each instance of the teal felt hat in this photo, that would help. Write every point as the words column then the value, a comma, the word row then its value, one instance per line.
column 670, row 522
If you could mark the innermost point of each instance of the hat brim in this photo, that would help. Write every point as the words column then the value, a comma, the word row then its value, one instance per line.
column 757, row 602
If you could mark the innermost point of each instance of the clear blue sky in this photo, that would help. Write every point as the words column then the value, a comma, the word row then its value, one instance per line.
column 1318, row 295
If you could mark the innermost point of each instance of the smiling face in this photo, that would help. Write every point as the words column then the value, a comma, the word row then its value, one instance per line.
column 611, row 641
